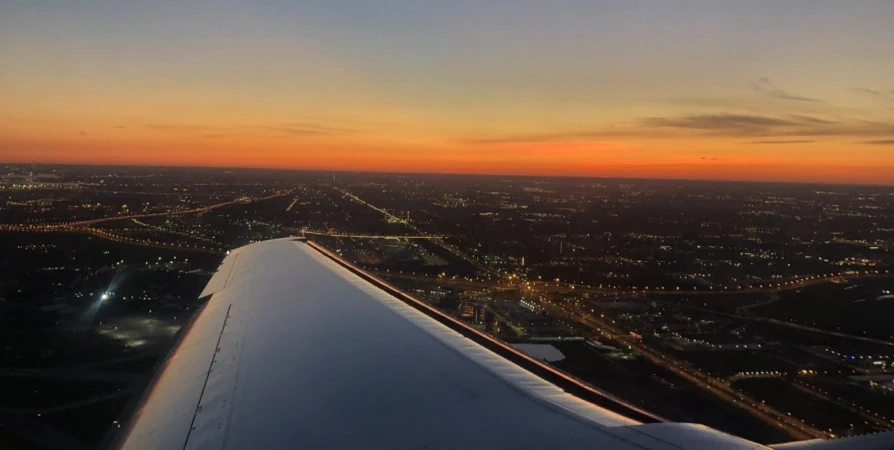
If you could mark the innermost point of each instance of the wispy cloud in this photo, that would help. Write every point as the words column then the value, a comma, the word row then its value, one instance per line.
column 867, row 91
column 741, row 123
column 295, row 129
column 746, row 125
column 757, row 129
column 880, row 142
column 811, row 120
column 178, row 127
column 879, row 94
column 764, row 86
column 547, row 137
column 781, row 141
column 308, row 129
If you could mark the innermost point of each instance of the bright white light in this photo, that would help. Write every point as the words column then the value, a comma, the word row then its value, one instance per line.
column 104, row 296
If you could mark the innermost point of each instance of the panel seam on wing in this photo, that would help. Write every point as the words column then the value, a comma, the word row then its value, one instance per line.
column 207, row 375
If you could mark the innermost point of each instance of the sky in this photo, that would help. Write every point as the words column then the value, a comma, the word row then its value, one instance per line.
column 799, row 90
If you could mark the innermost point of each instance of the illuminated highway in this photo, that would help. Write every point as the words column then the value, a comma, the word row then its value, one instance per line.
column 435, row 239
column 718, row 388
column 796, row 283
column 143, row 242
column 82, row 223
column 84, row 226
column 169, row 231
column 371, row 206
column 366, row 236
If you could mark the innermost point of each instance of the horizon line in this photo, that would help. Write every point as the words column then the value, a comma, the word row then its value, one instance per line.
column 482, row 174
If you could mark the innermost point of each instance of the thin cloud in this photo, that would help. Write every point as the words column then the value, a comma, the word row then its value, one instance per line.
column 876, row 93
column 762, row 129
column 811, row 120
column 722, row 123
column 764, row 86
column 745, row 125
column 880, row 142
column 342, row 121
column 304, row 129
column 178, row 127
column 545, row 137
column 313, row 128
column 297, row 129
column 867, row 91
column 781, row 141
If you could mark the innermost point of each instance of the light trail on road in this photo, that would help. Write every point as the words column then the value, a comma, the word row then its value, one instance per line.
column 84, row 226
column 367, row 236
column 716, row 387
column 436, row 240
column 199, row 210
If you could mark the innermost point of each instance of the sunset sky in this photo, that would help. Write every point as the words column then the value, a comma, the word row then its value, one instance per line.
column 799, row 90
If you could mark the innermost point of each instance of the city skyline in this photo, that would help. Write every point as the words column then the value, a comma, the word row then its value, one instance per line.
column 795, row 92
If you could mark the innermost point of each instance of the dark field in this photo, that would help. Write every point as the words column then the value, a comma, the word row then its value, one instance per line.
column 858, row 308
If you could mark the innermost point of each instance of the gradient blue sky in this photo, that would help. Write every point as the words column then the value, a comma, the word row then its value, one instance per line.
column 797, row 90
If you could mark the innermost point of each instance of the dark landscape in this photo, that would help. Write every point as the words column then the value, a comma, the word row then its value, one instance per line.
column 757, row 309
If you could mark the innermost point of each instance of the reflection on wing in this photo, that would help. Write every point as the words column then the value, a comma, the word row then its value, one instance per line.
column 296, row 348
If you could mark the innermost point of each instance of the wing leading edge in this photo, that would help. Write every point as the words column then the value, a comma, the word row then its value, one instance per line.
column 297, row 348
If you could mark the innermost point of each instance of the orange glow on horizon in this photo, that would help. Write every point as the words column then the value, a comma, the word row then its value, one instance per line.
column 647, row 159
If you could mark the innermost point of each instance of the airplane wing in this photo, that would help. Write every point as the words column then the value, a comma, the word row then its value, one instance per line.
column 296, row 348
